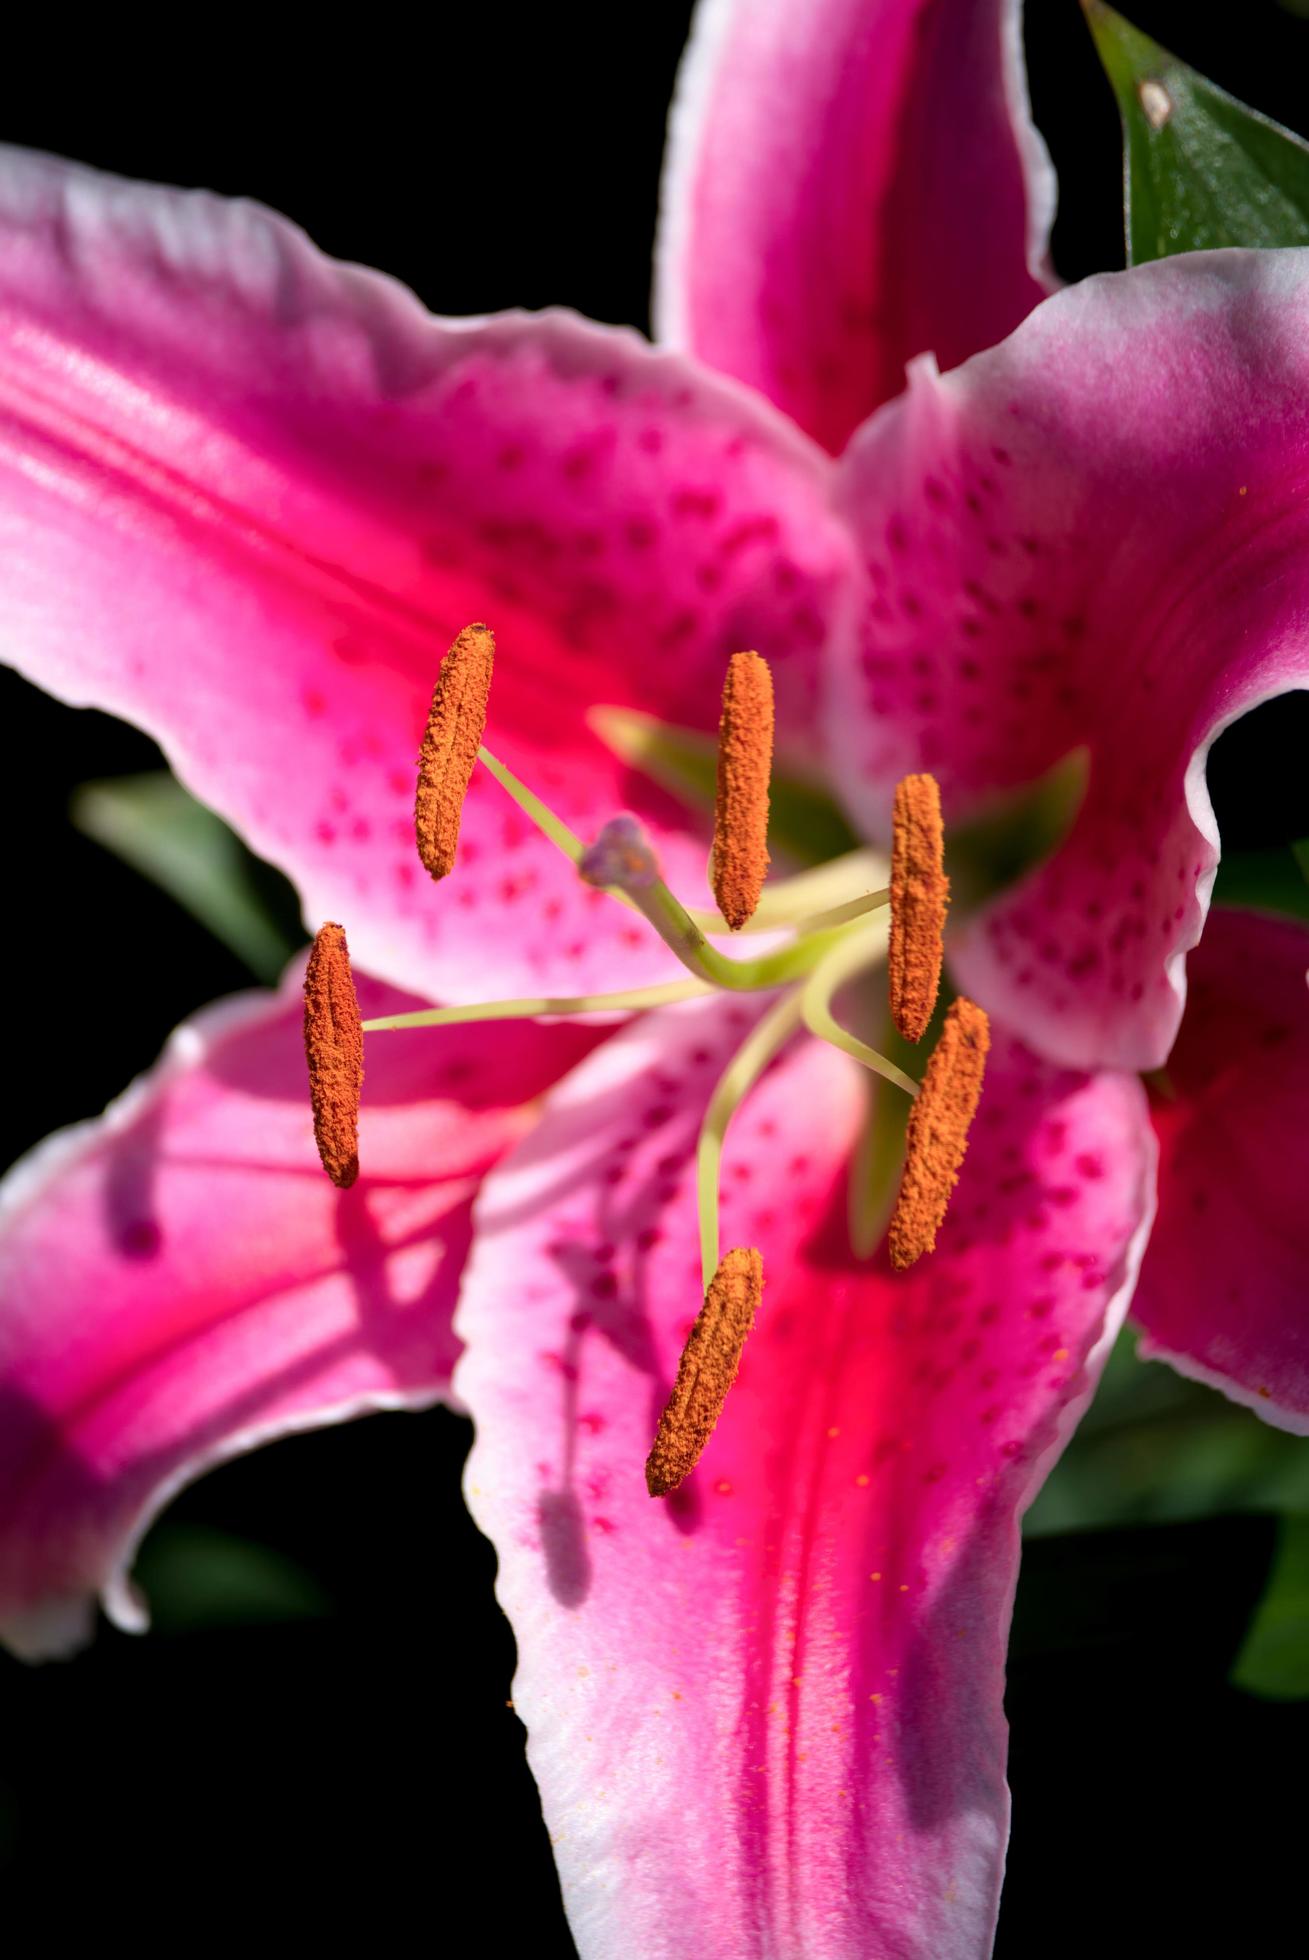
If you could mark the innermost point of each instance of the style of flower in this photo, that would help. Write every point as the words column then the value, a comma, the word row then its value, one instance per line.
column 250, row 497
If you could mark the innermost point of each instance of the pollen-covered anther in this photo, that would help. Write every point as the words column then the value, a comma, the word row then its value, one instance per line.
column 938, row 1131
column 745, row 761
column 334, row 1048
column 920, row 892
column 706, row 1371
column 455, row 725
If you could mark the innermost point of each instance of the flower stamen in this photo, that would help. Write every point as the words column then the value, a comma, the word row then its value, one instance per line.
column 739, row 858
column 850, row 955
column 920, row 892
column 450, row 744
column 543, row 1007
column 534, row 809
column 938, row 1131
column 706, row 1371
column 765, row 1040
column 622, row 863
column 828, row 947
column 812, row 896
column 334, row 1049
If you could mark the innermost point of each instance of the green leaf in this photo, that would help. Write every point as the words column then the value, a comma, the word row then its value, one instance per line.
column 1154, row 1448
column 1274, row 1662
column 1013, row 832
column 878, row 1157
column 1266, row 881
column 194, row 1576
column 154, row 825
column 1200, row 169
column 804, row 823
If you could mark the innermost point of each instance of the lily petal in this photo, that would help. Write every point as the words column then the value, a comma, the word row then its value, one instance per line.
column 1095, row 534
column 248, row 497
column 182, row 1282
column 848, row 185
column 1224, row 1285
column 765, row 1714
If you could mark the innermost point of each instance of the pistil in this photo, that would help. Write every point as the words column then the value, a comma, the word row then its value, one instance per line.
column 622, row 862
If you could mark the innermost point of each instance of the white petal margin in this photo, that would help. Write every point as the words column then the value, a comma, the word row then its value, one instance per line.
column 180, row 1283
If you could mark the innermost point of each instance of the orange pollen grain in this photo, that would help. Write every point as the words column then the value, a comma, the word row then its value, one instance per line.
column 706, row 1370
column 451, row 740
column 745, row 761
column 920, row 892
column 334, row 1049
column 938, row 1131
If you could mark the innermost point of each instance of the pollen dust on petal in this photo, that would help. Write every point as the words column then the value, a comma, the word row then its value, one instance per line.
column 706, row 1371
column 745, row 761
column 334, row 1048
column 938, row 1131
column 455, row 725
column 920, row 892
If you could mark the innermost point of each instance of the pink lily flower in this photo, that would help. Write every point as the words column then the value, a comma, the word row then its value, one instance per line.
column 250, row 498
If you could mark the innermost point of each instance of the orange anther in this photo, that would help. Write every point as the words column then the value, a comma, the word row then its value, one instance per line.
column 745, row 761
column 920, row 892
column 334, row 1048
column 453, row 736
column 938, row 1131
column 706, row 1371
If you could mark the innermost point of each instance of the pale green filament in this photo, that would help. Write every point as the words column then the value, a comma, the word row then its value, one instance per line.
column 532, row 806
column 836, row 915
column 737, row 1079
column 669, row 916
column 826, row 906
column 844, row 915
column 853, row 952
column 634, row 1001
column 875, row 1166
column 796, row 901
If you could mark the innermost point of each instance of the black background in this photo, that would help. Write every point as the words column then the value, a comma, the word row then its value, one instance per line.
column 275, row 1779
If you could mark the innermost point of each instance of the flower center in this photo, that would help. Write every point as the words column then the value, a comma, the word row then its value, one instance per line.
column 829, row 914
